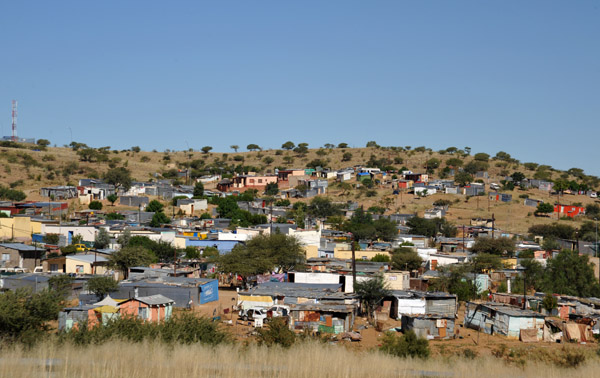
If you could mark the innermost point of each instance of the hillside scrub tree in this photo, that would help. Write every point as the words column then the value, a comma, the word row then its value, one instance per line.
column 544, row 209
column 431, row 227
column 454, row 162
column 11, row 194
column 234, row 147
column 206, row 149
column 253, row 147
column 120, row 177
column 52, row 239
column 347, row 156
column 289, row 145
column 404, row 258
column 102, row 239
column 475, row 166
column 495, row 246
column 569, row 273
column 131, row 256
column 268, row 160
column 481, row 156
column 43, row 142
column 463, row 178
column 95, row 205
column 124, row 238
column 554, row 230
column 136, row 149
column 371, row 292
column 198, row 189
column 372, row 143
column 301, row 149
column 342, row 145
column 112, row 198
column 154, row 206
column 101, row 286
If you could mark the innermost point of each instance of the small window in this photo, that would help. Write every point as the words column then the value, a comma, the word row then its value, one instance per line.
column 6, row 257
column 143, row 313
column 54, row 267
column 260, row 181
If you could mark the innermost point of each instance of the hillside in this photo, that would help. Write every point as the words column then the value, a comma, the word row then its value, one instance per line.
column 28, row 169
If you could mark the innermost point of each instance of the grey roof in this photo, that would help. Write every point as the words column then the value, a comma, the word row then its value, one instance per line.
column 28, row 277
column 157, row 299
column 20, row 247
column 421, row 294
column 88, row 258
column 294, row 289
column 321, row 307
column 509, row 310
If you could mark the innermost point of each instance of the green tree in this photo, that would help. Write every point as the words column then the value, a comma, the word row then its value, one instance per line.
column 206, row 149
column 404, row 258
column 322, row 207
column 43, row 142
column 234, row 147
column 158, row 219
column 101, row 286
column 571, row 274
column 481, row 156
column 112, row 198
column 454, row 162
column 271, row 189
column 263, row 253
column 381, row 258
column 95, row 205
column 25, row 316
column 102, row 239
column 407, row 345
column 386, row 229
column 496, row 246
column 544, row 208
column 253, row 147
column 342, row 145
column 347, row 156
column 301, row 149
column 124, row 238
column 485, row 262
column 463, row 178
column 61, row 283
column 277, row 333
column 431, row 227
column 550, row 302
column 198, row 189
column 88, row 154
column 154, row 206
column 131, row 256
column 120, row 177
column 289, row 145
column 52, row 239
column 372, row 143
column 371, row 292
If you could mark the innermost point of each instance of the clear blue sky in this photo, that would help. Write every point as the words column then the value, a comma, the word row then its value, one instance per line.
column 518, row 76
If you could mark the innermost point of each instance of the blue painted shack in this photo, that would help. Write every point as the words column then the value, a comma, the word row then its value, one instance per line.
column 498, row 318
column 186, row 292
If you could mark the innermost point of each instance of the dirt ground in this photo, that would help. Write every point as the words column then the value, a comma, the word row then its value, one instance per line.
column 483, row 344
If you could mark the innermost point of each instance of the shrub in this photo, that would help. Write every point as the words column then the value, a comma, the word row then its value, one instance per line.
column 277, row 333
column 95, row 205
column 407, row 345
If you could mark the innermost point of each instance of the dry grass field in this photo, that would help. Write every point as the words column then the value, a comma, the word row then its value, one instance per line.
column 60, row 166
column 311, row 359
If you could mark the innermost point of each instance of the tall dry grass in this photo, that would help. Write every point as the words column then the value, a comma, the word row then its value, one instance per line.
column 143, row 360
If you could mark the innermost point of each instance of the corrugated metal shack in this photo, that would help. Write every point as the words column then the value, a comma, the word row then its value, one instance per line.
column 35, row 282
column 186, row 292
column 326, row 318
column 421, row 303
column 429, row 326
column 498, row 318
column 295, row 293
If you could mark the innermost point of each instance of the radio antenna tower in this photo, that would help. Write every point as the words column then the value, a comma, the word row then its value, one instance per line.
column 14, row 120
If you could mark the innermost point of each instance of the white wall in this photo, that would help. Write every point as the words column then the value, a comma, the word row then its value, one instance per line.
column 87, row 232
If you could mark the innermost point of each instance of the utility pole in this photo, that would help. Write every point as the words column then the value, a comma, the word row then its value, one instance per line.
column 596, row 246
column 353, row 263
column 493, row 225
column 524, row 289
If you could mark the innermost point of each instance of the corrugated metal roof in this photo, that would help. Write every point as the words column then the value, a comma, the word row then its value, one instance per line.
column 157, row 299
column 87, row 258
column 20, row 247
